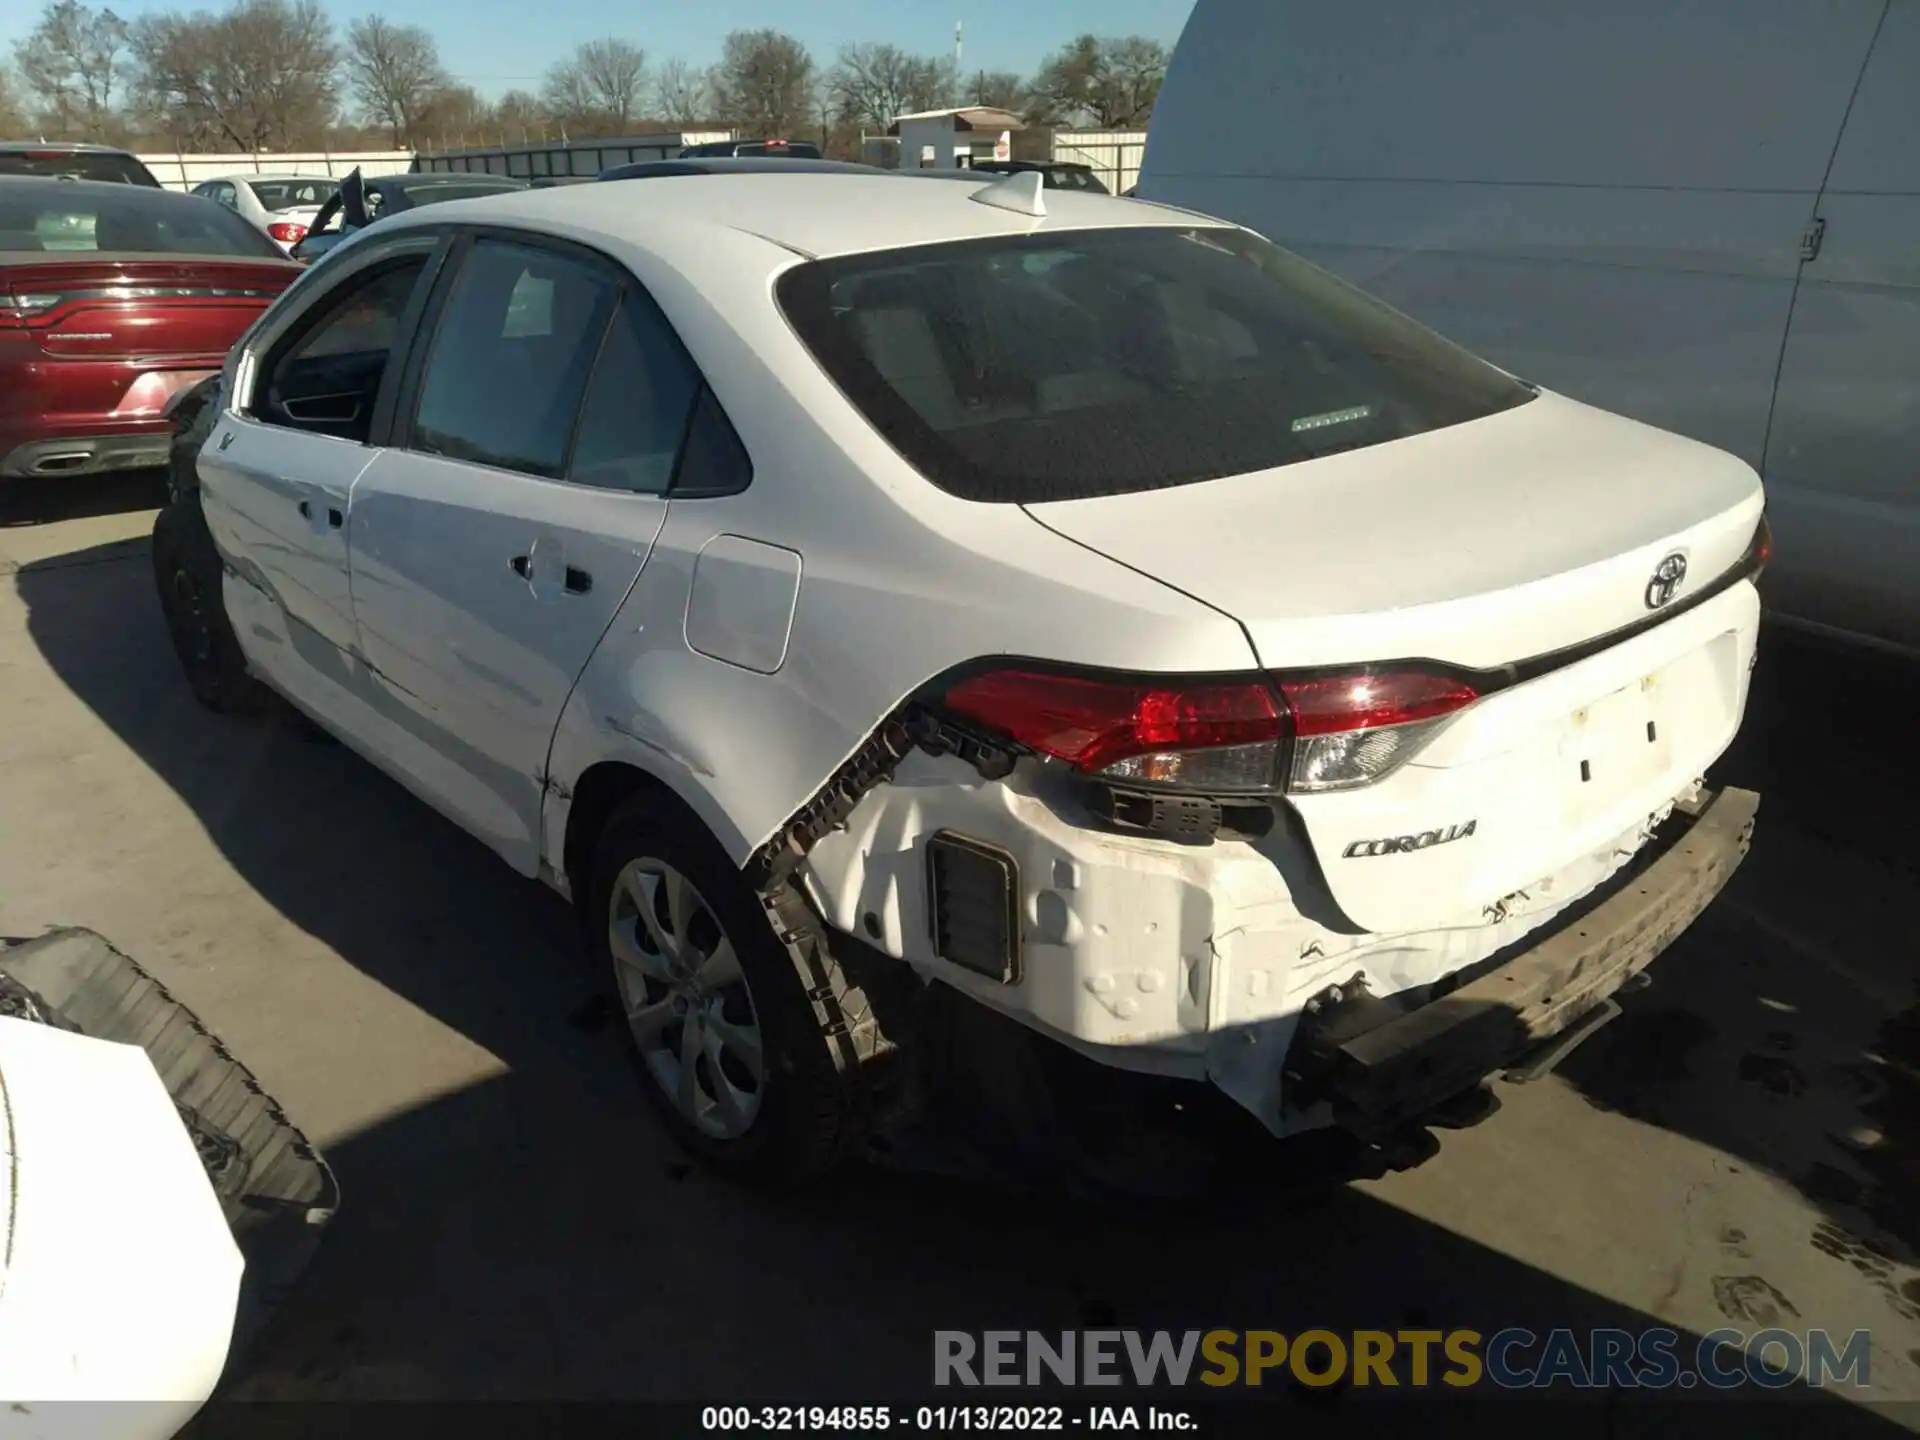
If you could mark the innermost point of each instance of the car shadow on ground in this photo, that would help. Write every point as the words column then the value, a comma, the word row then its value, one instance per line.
column 42, row 502
column 1785, row 1027
column 537, row 1236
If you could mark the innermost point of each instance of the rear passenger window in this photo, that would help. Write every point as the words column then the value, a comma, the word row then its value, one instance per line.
column 511, row 357
column 636, row 409
column 714, row 462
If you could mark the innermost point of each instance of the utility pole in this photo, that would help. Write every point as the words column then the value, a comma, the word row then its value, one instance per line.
column 956, row 47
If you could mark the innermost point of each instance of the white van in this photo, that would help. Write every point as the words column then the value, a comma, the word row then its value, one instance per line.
column 1705, row 215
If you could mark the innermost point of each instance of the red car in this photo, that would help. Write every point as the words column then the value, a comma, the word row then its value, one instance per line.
column 115, row 299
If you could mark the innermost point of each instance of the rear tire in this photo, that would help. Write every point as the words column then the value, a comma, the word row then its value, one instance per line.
column 187, row 570
column 764, row 1101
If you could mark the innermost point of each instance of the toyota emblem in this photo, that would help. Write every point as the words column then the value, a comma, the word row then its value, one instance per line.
column 1668, row 576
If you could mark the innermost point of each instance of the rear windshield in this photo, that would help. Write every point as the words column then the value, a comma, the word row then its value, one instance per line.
column 36, row 216
column 1055, row 367
column 286, row 194
column 1075, row 180
column 77, row 165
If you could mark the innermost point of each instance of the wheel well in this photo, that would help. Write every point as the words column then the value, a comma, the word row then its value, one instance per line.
column 602, row 789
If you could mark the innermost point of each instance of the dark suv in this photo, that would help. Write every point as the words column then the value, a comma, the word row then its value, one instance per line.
column 1054, row 174
column 61, row 160
column 730, row 149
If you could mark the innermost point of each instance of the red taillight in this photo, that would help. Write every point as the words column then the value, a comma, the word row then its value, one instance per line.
column 1761, row 550
column 1226, row 736
column 1327, row 706
column 287, row 232
column 1145, row 729
column 17, row 309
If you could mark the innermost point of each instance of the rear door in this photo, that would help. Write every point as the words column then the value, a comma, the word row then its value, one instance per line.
column 493, row 545
column 1843, row 454
column 277, row 473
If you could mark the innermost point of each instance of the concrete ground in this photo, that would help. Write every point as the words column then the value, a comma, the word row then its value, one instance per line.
column 1739, row 1149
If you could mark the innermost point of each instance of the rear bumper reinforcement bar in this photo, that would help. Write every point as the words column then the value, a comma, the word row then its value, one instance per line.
column 1526, row 1013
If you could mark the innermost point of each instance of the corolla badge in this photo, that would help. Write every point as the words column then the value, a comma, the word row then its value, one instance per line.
column 1668, row 576
column 1407, row 844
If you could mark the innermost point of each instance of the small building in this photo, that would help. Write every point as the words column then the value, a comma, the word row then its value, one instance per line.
column 954, row 139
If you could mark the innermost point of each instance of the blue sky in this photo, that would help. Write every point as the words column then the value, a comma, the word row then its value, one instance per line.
column 497, row 45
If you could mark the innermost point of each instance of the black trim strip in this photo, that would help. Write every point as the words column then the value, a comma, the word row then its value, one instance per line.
column 1503, row 677
column 1484, row 681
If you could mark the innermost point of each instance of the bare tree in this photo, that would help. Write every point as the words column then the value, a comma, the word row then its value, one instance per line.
column 519, row 117
column 602, row 86
column 1111, row 83
column 764, row 82
column 682, row 94
column 395, row 72
column 71, row 64
column 456, row 114
column 869, row 85
column 999, row 89
column 13, row 115
column 259, row 77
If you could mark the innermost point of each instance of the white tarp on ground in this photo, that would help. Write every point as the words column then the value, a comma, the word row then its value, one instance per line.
column 119, row 1276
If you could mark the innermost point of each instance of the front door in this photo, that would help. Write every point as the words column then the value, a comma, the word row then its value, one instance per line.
column 277, row 472
column 495, row 542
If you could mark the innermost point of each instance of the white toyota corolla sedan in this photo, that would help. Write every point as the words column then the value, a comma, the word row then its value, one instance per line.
column 946, row 636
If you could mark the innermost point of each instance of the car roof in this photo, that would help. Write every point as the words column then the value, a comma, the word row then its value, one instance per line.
column 811, row 212
column 733, row 165
column 265, row 175
column 65, row 146
column 100, row 188
column 444, row 177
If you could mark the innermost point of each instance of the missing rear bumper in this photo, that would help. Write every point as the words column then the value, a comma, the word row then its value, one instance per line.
column 1379, row 1065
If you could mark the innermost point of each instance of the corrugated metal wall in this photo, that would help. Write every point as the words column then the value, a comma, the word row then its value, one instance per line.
column 184, row 171
column 575, row 157
column 1115, row 155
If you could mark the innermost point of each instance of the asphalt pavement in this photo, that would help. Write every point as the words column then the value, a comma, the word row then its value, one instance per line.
column 1740, row 1148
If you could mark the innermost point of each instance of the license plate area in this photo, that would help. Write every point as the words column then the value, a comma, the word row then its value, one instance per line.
column 1632, row 740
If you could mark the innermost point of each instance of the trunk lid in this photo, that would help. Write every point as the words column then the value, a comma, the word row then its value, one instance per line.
column 180, row 309
column 1482, row 546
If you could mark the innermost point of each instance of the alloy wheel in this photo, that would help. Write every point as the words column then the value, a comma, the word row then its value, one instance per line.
column 686, row 1001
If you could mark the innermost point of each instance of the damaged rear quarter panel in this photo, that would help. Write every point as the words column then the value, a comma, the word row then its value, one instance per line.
column 900, row 582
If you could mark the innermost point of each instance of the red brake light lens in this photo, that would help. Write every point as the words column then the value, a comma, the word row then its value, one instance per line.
column 1096, row 725
column 1761, row 550
column 287, row 232
column 1233, row 736
column 1364, row 702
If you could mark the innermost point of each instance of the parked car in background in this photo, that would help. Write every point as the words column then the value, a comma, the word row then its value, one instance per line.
column 1054, row 174
column 729, row 149
column 969, row 630
column 360, row 202
column 1674, row 211
column 283, row 207
column 60, row 160
column 114, row 299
